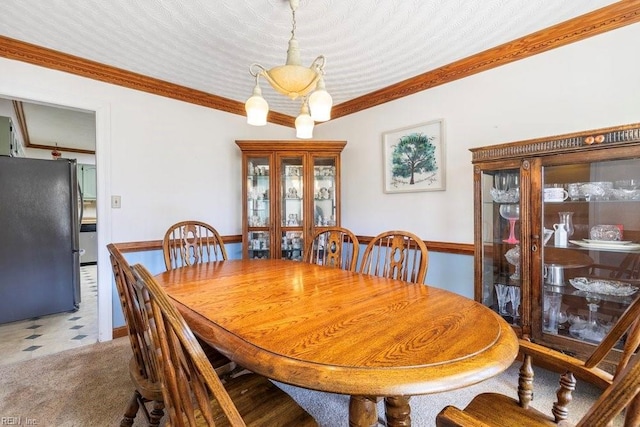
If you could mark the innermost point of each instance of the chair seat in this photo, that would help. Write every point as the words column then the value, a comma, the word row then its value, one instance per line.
column 493, row 409
column 149, row 390
column 256, row 406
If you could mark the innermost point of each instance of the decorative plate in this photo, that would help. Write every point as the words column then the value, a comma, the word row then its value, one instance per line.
column 607, row 245
column 602, row 286
column 608, row 242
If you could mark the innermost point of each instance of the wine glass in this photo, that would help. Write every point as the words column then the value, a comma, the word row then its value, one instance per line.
column 514, row 296
column 513, row 258
column 501, row 181
column 513, row 181
column 563, row 318
column 502, row 292
column 511, row 212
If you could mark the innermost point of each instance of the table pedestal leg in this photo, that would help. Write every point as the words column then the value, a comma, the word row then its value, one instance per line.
column 397, row 411
column 363, row 411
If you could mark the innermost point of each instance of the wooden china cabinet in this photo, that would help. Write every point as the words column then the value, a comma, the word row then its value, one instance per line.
column 289, row 189
column 561, row 292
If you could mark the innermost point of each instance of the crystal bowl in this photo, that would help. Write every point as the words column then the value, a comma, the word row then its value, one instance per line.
column 508, row 196
column 602, row 286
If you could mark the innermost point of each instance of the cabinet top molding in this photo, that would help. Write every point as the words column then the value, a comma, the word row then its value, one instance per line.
column 275, row 145
column 572, row 142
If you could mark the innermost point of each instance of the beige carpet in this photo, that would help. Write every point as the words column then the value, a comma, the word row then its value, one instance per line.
column 90, row 386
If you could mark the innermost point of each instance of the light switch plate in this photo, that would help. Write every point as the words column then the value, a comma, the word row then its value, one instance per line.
column 116, row 202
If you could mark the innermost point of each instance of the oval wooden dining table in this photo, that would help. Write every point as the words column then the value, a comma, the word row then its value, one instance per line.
column 342, row 332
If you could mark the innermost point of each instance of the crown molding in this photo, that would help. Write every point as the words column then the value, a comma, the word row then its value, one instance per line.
column 608, row 18
column 49, row 58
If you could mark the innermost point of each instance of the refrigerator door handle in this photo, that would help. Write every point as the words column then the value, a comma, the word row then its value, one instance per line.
column 80, row 204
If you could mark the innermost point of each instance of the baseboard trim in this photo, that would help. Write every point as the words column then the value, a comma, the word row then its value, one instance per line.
column 120, row 332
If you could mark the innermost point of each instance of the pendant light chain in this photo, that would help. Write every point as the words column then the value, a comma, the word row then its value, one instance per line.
column 293, row 21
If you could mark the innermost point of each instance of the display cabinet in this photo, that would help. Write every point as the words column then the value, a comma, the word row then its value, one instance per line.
column 290, row 188
column 557, row 233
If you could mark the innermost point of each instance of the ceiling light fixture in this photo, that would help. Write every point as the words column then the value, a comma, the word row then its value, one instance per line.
column 293, row 80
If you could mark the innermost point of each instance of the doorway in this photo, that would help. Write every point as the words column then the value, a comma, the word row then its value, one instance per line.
column 46, row 131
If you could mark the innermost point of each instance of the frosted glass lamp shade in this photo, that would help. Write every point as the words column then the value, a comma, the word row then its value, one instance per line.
column 320, row 103
column 256, row 108
column 304, row 124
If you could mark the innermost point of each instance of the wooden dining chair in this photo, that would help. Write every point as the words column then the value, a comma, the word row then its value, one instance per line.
column 193, row 393
column 497, row 410
column 620, row 389
column 334, row 247
column 192, row 242
column 397, row 255
column 142, row 368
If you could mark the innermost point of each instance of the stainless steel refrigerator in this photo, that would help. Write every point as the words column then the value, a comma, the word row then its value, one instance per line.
column 39, row 227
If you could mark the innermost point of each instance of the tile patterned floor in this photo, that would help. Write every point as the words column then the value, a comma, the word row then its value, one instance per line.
column 39, row 336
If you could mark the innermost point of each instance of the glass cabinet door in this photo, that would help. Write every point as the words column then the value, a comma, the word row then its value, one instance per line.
column 501, row 279
column 324, row 197
column 258, row 207
column 591, row 262
column 292, row 207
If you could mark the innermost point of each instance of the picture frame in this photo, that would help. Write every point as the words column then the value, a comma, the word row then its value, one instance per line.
column 414, row 158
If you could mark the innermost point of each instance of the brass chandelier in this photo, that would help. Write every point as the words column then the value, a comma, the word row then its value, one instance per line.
column 293, row 80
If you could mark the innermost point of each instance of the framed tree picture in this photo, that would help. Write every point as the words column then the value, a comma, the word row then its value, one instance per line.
column 414, row 158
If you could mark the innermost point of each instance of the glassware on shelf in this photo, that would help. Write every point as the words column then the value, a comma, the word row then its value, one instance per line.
column 560, row 238
column 562, row 319
column 502, row 293
column 591, row 330
column 514, row 297
column 513, row 180
column 509, row 196
column 501, row 181
column 506, row 187
column 573, row 190
column 566, row 218
column 513, row 258
column 511, row 212
column 551, row 311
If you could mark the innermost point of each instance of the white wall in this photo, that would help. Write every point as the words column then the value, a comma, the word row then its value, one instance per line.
column 591, row 84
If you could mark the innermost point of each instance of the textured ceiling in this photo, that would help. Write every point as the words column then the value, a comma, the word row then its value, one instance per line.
column 209, row 44
column 68, row 128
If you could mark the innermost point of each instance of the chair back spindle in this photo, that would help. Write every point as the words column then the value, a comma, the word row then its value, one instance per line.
column 333, row 247
column 397, row 255
column 192, row 242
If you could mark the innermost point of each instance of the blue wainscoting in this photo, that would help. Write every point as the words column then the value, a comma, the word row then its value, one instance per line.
column 453, row 272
